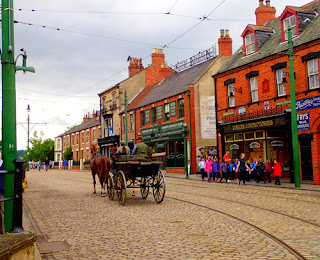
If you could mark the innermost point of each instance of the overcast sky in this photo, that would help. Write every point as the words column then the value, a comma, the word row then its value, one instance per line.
column 89, row 53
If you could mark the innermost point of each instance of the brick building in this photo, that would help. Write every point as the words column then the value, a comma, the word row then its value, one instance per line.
column 253, row 90
column 112, row 99
column 79, row 138
column 176, row 116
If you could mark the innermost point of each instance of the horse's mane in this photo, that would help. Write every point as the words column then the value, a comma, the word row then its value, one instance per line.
column 93, row 148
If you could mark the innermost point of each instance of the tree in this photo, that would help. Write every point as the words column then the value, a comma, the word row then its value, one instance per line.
column 41, row 149
column 68, row 153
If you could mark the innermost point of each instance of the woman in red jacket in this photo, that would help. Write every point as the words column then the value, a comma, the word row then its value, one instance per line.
column 277, row 170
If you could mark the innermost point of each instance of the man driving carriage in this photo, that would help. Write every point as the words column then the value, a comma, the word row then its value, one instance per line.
column 123, row 149
column 140, row 148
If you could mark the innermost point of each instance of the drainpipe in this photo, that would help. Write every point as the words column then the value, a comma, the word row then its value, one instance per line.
column 135, row 125
column 216, row 106
column 190, row 134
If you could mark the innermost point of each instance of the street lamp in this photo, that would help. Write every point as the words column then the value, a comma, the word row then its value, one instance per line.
column 28, row 110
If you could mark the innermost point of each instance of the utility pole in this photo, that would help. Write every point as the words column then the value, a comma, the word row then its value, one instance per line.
column 295, row 144
column 28, row 110
column 125, row 116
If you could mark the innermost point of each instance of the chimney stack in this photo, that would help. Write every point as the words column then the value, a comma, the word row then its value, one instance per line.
column 264, row 13
column 157, row 57
column 135, row 66
column 225, row 43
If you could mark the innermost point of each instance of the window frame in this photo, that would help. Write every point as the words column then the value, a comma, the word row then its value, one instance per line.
column 154, row 115
column 294, row 28
column 251, row 44
column 143, row 118
column 180, row 108
column 131, row 122
column 166, row 113
column 279, row 82
column 316, row 62
column 254, row 90
column 230, row 98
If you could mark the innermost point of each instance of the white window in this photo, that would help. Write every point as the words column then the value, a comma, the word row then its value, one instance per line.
column 58, row 157
column 254, row 89
column 281, row 87
column 290, row 21
column 58, row 144
column 231, row 97
column 114, row 101
column 131, row 122
column 250, row 44
column 313, row 74
column 108, row 127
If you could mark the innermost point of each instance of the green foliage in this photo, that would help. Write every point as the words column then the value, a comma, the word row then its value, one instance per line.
column 40, row 149
column 86, row 162
column 68, row 153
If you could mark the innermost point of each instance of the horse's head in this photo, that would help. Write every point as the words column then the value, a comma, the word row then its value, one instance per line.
column 93, row 148
column 113, row 150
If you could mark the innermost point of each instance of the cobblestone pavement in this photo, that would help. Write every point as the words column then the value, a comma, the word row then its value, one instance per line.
column 196, row 220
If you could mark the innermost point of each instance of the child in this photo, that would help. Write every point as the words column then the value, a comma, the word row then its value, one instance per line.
column 268, row 170
column 201, row 166
column 248, row 170
column 277, row 170
column 215, row 170
column 260, row 171
column 224, row 170
column 208, row 168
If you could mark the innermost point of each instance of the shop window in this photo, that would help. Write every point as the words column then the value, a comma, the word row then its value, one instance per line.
column 231, row 98
column 143, row 118
column 229, row 138
column 154, row 115
column 181, row 108
column 238, row 137
column 276, row 134
column 254, row 89
column 313, row 74
column 259, row 134
column 281, row 87
column 249, row 136
column 290, row 22
column 250, row 44
column 172, row 108
column 175, row 154
column 166, row 112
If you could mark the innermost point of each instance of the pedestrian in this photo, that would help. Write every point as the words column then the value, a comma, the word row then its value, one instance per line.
column 65, row 164
column 248, row 171
column 201, row 166
column 35, row 165
column 50, row 165
column 224, row 170
column 277, row 170
column 39, row 165
column 242, row 167
column 215, row 170
column 227, row 160
column 254, row 165
column 46, row 161
column 208, row 168
column 268, row 170
column 260, row 171
column 234, row 167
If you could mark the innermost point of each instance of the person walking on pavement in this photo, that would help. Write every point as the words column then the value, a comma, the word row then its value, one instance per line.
column 242, row 167
column 201, row 166
column 208, row 168
column 277, row 170
column 260, row 170
column 268, row 170
column 39, row 165
column 224, row 170
column 227, row 160
column 65, row 164
column 215, row 170
column 46, row 161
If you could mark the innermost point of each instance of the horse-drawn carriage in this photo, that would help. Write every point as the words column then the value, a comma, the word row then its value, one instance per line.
column 135, row 172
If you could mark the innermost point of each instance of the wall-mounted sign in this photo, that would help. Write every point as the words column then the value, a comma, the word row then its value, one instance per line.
column 242, row 110
column 172, row 108
column 303, row 121
column 308, row 103
column 283, row 103
column 252, row 125
column 254, row 145
column 228, row 113
column 276, row 143
column 266, row 105
column 159, row 112
column 208, row 117
column 234, row 147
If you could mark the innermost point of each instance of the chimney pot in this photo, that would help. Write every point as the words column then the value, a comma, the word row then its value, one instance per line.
column 268, row 3
column 227, row 33
column 222, row 33
column 261, row 2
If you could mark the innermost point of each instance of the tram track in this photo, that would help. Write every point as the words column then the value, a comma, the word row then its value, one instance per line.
column 277, row 240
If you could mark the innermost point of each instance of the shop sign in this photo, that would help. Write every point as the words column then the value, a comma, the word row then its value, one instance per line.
column 284, row 103
column 308, row 103
column 163, row 128
column 254, row 145
column 208, row 117
column 228, row 114
column 303, row 121
column 159, row 112
column 234, row 147
column 242, row 111
column 266, row 105
column 252, row 125
column 276, row 143
column 160, row 145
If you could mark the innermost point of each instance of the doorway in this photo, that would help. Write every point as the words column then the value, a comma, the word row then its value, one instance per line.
column 306, row 157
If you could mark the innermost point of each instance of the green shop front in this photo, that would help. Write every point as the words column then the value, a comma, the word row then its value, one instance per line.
column 170, row 139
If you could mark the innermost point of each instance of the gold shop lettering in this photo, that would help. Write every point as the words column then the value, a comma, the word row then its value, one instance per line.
column 252, row 125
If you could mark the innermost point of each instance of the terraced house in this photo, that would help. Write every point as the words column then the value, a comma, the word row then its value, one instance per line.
column 253, row 93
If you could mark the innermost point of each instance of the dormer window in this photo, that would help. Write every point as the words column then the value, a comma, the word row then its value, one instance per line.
column 290, row 22
column 250, row 44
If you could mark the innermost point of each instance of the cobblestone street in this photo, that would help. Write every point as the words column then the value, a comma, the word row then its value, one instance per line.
column 196, row 220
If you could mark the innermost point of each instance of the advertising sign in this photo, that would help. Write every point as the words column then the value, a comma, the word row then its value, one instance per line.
column 208, row 117
column 303, row 121
column 242, row 111
column 308, row 103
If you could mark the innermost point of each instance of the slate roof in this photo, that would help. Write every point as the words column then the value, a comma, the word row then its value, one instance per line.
column 175, row 84
column 261, row 28
column 274, row 45
column 92, row 123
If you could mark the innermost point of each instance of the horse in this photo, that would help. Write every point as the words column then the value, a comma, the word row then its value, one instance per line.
column 101, row 166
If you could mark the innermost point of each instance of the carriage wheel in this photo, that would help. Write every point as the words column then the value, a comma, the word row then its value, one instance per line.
column 110, row 187
column 121, row 187
column 159, row 187
column 144, row 187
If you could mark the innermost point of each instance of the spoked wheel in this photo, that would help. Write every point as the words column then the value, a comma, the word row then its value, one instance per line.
column 110, row 187
column 144, row 187
column 159, row 187
column 121, row 187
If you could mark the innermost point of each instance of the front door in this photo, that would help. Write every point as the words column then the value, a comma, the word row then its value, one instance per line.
column 306, row 157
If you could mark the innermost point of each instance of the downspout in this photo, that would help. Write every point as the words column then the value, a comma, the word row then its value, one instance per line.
column 135, row 125
column 190, row 132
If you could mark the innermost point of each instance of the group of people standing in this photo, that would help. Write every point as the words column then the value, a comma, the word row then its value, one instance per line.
column 37, row 165
column 255, row 170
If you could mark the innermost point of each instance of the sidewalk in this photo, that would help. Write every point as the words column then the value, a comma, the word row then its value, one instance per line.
column 285, row 183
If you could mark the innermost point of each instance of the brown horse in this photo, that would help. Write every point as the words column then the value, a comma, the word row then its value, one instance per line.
column 101, row 166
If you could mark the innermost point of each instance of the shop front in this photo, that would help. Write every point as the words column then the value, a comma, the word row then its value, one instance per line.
column 171, row 140
column 265, row 138
column 108, row 142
